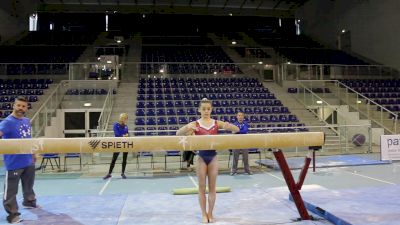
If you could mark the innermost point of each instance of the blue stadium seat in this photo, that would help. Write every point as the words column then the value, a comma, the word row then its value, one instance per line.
column 138, row 131
column 140, row 112
column 150, row 121
column 188, row 104
column 220, row 111
column 150, row 105
column 163, row 133
column 178, row 104
column 193, row 118
column 149, row 97
column 168, row 97
column 161, row 121
column 159, row 97
column 150, row 112
column 160, row 104
column 172, row 121
column 171, row 112
column 160, row 112
column 181, row 112
column 264, row 119
column 182, row 120
column 254, row 119
column 139, row 121
column 177, row 97
column 248, row 110
column 169, row 104
column 191, row 111
column 216, row 103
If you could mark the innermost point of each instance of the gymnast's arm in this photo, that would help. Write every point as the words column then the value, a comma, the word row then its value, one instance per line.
column 187, row 129
column 1, row 134
column 228, row 126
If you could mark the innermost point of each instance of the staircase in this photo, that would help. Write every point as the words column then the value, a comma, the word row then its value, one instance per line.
column 41, row 99
column 332, row 140
column 378, row 118
column 124, row 102
column 131, row 63
column 239, row 60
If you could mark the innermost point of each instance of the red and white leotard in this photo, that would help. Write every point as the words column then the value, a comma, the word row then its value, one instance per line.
column 207, row 155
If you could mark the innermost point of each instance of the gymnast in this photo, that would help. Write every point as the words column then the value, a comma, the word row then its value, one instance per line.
column 207, row 162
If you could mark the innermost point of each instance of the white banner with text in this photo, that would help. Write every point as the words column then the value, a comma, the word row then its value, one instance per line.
column 390, row 147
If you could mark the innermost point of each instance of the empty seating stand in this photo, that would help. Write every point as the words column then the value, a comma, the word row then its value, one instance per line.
column 169, row 102
column 385, row 92
column 32, row 89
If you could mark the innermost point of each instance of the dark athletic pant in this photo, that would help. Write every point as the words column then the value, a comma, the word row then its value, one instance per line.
column 114, row 159
column 27, row 177
column 245, row 155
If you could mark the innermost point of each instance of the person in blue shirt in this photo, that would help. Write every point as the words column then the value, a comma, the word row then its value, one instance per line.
column 244, row 128
column 120, row 130
column 18, row 166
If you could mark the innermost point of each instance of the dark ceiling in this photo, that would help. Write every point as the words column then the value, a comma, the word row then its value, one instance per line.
column 281, row 8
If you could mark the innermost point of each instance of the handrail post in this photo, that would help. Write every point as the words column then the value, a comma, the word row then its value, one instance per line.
column 370, row 139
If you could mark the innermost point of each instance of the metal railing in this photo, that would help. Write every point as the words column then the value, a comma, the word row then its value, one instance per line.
column 92, row 70
column 292, row 71
column 318, row 105
column 35, row 70
column 332, row 115
column 106, row 111
column 42, row 117
column 367, row 107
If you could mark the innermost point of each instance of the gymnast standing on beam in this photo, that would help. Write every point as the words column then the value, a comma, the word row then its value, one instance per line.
column 207, row 162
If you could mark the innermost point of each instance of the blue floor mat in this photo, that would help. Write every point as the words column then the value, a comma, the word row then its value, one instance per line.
column 356, row 206
column 326, row 161
column 254, row 206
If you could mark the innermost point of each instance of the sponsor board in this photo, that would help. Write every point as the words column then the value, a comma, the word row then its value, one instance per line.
column 390, row 147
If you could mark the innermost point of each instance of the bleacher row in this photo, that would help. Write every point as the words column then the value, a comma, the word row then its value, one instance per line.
column 86, row 91
column 181, row 68
column 11, row 88
column 372, row 83
column 26, row 81
column 384, row 92
column 164, row 103
column 38, row 59
column 315, row 90
column 186, row 60
column 26, row 69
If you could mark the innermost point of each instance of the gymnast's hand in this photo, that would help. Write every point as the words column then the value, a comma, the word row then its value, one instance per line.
column 191, row 128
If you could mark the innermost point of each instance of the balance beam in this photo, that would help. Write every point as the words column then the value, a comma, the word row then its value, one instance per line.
column 160, row 143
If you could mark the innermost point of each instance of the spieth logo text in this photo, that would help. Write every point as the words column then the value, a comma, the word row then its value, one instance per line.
column 110, row 144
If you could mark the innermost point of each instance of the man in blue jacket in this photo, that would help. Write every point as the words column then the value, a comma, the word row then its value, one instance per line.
column 244, row 128
column 18, row 166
